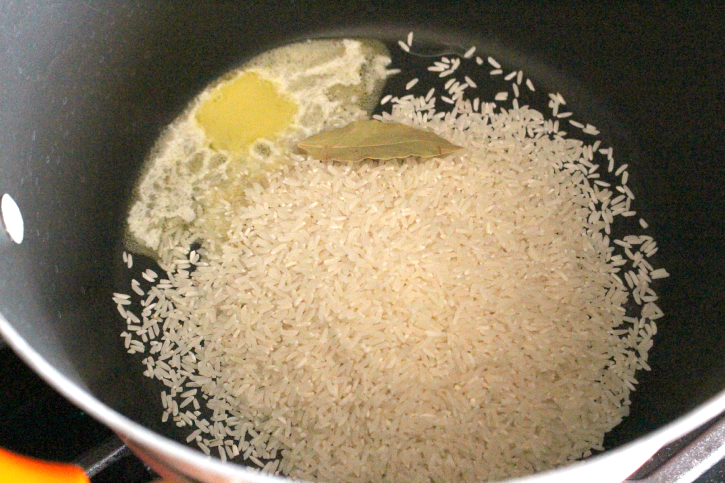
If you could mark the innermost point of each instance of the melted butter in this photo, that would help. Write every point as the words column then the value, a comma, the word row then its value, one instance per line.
column 241, row 127
column 243, row 110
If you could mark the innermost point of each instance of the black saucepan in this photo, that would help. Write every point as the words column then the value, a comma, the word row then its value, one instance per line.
column 87, row 87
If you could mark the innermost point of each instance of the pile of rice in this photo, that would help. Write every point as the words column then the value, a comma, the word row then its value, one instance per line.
column 457, row 319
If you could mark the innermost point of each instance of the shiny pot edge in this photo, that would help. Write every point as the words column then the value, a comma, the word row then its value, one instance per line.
column 614, row 465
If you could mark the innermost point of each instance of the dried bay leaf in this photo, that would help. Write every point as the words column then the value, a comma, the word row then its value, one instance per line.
column 370, row 139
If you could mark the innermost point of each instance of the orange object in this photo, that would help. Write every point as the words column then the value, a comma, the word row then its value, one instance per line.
column 21, row 469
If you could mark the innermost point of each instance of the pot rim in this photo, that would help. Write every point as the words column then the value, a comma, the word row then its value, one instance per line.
column 628, row 456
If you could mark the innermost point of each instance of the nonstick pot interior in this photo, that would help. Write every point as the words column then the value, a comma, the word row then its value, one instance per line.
column 87, row 88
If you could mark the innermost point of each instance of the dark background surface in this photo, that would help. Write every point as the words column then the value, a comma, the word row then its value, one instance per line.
column 37, row 421
column 89, row 86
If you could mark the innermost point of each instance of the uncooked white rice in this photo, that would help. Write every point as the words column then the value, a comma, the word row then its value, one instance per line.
column 659, row 273
column 554, row 108
column 589, row 129
column 394, row 321
column 136, row 287
column 411, row 84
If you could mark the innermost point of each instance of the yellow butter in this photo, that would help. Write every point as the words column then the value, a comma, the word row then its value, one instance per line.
column 245, row 109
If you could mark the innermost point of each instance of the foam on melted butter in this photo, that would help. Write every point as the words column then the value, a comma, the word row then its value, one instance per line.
column 241, row 127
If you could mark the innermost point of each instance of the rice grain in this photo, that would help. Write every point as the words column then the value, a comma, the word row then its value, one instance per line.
column 374, row 321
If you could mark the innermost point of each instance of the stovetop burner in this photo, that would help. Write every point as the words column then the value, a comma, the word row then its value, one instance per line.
column 37, row 421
